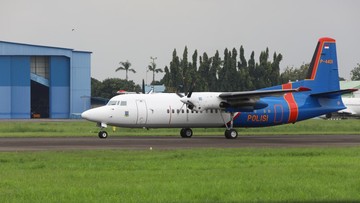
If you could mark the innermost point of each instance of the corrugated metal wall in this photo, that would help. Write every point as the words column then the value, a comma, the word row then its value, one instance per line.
column 69, row 88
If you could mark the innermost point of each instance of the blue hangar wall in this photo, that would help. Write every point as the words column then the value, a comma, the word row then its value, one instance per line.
column 67, row 80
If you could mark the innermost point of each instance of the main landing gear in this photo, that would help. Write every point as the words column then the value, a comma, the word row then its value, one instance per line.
column 230, row 132
column 186, row 133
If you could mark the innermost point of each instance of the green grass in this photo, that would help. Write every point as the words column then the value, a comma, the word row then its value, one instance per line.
column 39, row 128
column 205, row 175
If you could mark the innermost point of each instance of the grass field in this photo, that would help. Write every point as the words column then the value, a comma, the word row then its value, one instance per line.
column 38, row 128
column 197, row 175
column 205, row 175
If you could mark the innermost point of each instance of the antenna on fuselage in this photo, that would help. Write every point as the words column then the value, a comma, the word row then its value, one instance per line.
column 143, row 87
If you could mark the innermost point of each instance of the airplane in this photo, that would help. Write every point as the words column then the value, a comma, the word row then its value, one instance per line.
column 352, row 109
column 317, row 95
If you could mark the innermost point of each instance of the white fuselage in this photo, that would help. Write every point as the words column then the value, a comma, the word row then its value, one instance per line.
column 162, row 110
column 352, row 106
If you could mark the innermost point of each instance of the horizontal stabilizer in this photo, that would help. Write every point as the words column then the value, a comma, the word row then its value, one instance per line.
column 334, row 93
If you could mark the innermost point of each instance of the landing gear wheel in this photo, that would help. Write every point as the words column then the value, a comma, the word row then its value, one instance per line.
column 186, row 133
column 103, row 134
column 231, row 134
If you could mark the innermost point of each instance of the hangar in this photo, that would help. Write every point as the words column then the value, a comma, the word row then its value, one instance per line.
column 43, row 82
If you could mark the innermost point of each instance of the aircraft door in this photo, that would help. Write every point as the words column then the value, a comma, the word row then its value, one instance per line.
column 141, row 112
column 278, row 113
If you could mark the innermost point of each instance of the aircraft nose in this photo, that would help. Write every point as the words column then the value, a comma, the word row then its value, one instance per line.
column 96, row 114
column 86, row 115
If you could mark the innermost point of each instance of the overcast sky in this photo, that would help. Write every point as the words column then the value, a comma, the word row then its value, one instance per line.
column 134, row 30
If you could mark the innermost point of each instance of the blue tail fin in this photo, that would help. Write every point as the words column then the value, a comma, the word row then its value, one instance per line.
column 323, row 75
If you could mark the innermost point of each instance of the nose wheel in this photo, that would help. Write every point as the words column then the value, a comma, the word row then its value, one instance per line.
column 103, row 134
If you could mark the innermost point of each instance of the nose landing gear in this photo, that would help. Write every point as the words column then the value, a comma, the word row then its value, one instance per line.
column 102, row 134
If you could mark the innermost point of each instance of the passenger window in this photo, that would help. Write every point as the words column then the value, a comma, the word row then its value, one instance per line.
column 172, row 110
column 182, row 111
column 168, row 111
column 177, row 111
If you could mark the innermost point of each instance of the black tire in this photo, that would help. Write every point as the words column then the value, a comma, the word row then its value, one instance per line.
column 103, row 134
column 186, row 133
column 328, row 115
column 231, row 134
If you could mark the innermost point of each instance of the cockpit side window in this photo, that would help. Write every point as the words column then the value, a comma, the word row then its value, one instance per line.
column 111, row 103
column 123, row 103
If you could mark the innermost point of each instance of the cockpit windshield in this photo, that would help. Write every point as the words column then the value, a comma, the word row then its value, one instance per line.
column 114, row 102
column 111, row 103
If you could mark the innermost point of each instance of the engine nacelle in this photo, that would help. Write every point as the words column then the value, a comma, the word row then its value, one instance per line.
column 203, row 101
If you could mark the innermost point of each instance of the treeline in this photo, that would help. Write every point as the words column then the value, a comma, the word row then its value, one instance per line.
column 109, row 87
column 232, row 72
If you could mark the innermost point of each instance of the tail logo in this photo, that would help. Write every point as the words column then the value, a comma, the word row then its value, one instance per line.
column 324, row 43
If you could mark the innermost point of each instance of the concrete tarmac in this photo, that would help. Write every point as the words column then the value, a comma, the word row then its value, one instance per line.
column 156, row 143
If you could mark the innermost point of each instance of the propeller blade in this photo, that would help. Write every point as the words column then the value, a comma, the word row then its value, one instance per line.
column 179, row 94
column 178, row 91
column 190, row 91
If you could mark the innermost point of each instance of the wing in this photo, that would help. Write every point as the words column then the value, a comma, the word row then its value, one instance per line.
column 250, row 99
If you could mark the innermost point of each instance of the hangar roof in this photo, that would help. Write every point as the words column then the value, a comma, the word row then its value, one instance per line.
column 15, row 48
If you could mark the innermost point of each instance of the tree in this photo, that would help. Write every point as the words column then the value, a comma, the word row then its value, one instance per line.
column 125, row 66
column 202, row 83
column 111, row 85
column 245, row 81
column 355, row 73
column 185, row 71
column 294, row 74
column 152, row 67
column 166, row 80
column 213, row 72
column 175, row 78
column 96, row 87
column 275, row 70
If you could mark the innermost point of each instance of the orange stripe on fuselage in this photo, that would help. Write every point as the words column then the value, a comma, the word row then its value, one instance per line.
column 290, row 100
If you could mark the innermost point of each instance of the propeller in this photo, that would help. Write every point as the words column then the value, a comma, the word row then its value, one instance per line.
column 186, row 98
column 180, row 87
